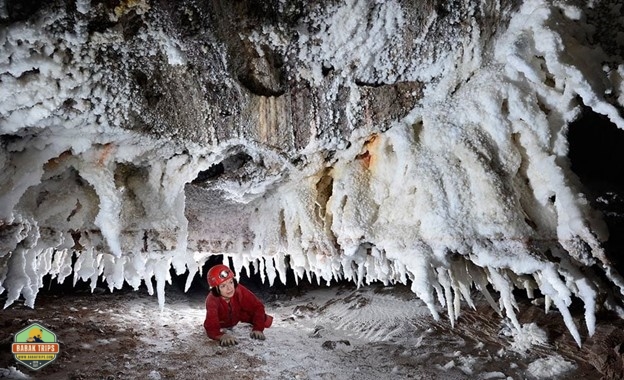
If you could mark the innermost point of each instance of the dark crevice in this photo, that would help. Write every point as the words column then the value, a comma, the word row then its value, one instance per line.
column 145, row 238
column 75, row 210
column 597, row 158
column 326, row 70
column 283, row 232
column 362, row 83
column 228, row 165
column 324, row 188
column 20, row 10
column 148, row 87
column 213, row 172
column 29, row 73
column 132, row 24
column 256, row 83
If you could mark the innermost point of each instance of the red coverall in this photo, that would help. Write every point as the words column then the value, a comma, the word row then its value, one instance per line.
column 244, row 306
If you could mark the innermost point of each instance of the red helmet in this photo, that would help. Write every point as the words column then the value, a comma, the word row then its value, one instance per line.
column 219, row 274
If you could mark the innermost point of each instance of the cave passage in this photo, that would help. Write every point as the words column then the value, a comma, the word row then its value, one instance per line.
column 597, row 158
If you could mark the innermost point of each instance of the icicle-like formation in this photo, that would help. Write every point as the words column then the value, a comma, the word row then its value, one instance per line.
column 464, row 179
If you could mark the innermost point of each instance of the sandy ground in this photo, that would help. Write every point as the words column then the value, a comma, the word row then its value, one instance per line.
column 337, row 332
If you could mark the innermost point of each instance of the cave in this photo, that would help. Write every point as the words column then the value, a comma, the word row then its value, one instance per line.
column 428, row 190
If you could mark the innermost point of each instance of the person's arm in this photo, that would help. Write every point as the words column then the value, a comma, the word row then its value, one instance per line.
column 211, row 323
column 253, row 307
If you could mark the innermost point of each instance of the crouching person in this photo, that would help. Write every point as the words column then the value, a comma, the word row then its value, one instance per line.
column 229, row 303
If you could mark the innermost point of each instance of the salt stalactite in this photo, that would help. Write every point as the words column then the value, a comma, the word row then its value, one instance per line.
column 20, row 267
column 101, row 177
column 463, row 176
column 118, row 256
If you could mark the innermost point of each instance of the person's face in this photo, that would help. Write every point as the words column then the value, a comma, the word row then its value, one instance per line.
column 227, row 288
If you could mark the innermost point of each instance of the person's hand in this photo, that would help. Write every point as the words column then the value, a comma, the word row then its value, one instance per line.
column 227, row 340
column 257, row 335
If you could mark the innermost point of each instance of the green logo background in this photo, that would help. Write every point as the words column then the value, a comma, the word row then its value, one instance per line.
column 47, row 336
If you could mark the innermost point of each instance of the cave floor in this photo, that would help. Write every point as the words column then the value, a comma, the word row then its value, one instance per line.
column 337, row 332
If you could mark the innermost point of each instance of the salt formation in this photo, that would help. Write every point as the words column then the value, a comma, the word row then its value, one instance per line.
column 465, row 185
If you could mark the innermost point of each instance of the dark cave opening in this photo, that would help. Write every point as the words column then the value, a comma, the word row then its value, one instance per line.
column 280, row 288
column 228, row 165
column 595, row 151
column 597, row 158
